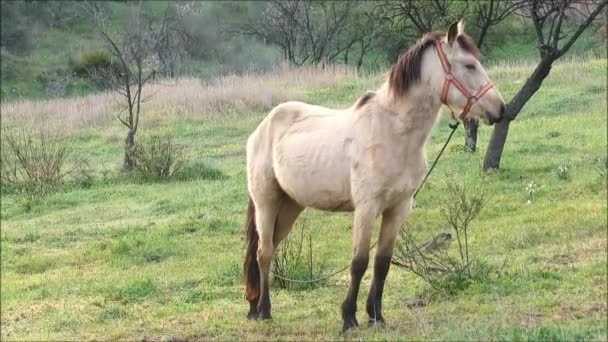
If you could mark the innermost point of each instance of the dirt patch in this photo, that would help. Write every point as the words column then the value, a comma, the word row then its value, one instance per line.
column 531, row 319
column 581, row 251
column 584, row 310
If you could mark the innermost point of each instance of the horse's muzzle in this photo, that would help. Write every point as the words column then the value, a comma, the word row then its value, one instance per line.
column 492, row 119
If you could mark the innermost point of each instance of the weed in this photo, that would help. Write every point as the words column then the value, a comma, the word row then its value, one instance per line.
column 35, row 164
column 563, row 172
column 112, row 312
column 158, row 157
column 143, row 248
column 295, row 260
column 531, row 189
column 135, row 290
column 432, row 261
column 601, row 166
column 199, row 170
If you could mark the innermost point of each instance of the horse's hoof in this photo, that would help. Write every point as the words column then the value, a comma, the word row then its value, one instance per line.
column 252, row 316
column 349, row 325
column 265, row 316
column 377, row 323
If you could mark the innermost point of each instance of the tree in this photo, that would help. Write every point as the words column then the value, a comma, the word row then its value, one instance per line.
column 485, row 15
column 136, row 54
column 409, row 19
column 305, row 31
column 554, row 40
column 426, row 16
column 362, row 32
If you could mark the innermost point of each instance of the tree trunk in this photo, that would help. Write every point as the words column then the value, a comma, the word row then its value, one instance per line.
column 499, row 134
column 129, row 163
column 470, row 139
column 482, row 35
column 346, row 56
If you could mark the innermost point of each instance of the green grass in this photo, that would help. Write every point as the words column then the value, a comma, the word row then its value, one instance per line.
column 129, row 258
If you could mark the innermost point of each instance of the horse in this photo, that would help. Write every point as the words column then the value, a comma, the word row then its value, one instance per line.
column 368, row 159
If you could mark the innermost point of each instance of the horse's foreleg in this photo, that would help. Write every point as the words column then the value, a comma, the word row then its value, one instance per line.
column 265, row 219
column 362, row 228
column 391, row 223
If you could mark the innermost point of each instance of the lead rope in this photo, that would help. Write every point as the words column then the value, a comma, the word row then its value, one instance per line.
column 453, row 126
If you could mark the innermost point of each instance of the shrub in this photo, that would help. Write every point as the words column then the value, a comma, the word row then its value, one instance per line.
column 33, row 164
column 91, row 62
column 295, row 260
column 158, row 157
column 443, row 268
column 36, row 164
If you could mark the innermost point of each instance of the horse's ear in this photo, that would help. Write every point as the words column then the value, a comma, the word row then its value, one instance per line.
column 460, row 27
column 454, row 31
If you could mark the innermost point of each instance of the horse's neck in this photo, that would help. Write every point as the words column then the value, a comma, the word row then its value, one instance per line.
column 416, row 114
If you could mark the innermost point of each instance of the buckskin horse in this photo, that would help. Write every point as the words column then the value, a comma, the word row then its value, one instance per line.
column 368, row 159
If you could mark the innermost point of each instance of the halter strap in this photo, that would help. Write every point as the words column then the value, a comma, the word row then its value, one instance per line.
column 450, row 79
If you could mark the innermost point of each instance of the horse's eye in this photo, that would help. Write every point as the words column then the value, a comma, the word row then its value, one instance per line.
column 470, row 67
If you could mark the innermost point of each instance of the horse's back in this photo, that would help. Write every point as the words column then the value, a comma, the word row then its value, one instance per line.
column 303, row 148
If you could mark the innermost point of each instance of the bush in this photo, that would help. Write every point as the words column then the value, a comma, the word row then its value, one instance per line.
column 158, row 157
column 32, row 164
column 91, row 62
column 443, row 268
column 295, row 260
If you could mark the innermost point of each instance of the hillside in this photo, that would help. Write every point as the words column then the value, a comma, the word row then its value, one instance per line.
column 54, row 37
column 124, row 257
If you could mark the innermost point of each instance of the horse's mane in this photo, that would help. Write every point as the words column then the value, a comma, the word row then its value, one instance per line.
column 406, row 71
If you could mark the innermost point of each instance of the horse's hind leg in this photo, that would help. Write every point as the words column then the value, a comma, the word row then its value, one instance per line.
column 266, row 214
column 391, row 223
column 288, row 213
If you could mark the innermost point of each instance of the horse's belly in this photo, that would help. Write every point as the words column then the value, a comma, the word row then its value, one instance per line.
column 314, row 173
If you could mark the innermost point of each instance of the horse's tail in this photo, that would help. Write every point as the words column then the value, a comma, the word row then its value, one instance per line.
column 250, row 266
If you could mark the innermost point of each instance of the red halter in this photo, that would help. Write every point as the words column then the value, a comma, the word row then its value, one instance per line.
column 450, row 79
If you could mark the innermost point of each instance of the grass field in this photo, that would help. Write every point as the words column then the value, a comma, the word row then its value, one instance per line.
column 130, row 258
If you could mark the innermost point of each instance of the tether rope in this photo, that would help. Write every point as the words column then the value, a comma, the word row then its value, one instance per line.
column 453, row 126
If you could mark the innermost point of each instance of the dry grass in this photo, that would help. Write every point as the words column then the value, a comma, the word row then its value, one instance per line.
column 187, row 98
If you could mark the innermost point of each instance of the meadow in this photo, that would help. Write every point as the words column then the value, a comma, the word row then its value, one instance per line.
column 131, row 258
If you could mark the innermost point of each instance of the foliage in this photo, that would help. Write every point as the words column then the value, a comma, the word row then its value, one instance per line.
column 295, row 260
column 90, row 62
column 65, row 275
column 35, row 164
column 158, row 157
column 443, row 269
column 554, row 39
column 206, row 39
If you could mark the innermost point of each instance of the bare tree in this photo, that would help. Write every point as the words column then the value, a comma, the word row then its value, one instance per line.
column 406, row 20
column 305, row 31
column 426, row 15
column 281, row 25
column 554, row 40
column 136, row 54
column 486, row 14
column 364, row 30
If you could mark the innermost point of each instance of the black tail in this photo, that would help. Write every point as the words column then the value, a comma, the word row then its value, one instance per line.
column 250, row 266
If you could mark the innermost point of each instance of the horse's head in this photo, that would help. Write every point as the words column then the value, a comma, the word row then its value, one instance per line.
column 463, row 82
